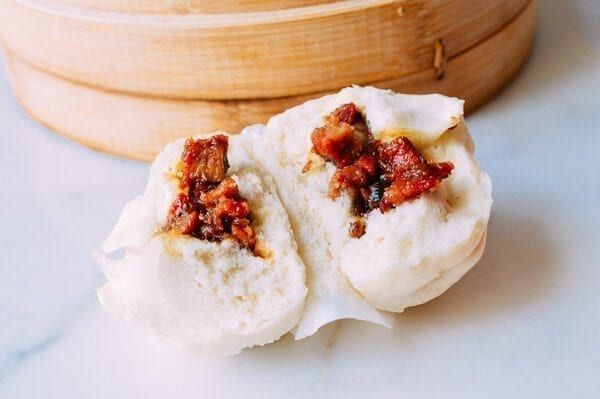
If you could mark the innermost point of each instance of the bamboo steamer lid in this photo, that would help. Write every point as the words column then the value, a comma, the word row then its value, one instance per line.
column 138, row 126
column 252, row 55
column 190, row 6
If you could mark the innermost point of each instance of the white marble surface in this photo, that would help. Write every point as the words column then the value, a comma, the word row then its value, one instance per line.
column 525, row 323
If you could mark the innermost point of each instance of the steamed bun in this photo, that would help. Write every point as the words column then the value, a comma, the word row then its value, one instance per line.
column 408, row 255
column 217, row 298
column 210, row 298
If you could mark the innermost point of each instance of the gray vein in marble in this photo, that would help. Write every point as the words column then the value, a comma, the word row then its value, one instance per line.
column 18, row 357
column 15, row 359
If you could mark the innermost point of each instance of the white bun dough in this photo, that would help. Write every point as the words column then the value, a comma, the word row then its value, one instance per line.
column 408, row 255
column 205, row 297
column 216, row 299
column 312, row 215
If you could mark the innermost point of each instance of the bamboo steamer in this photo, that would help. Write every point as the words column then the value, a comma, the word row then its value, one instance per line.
column 249, row 55
column 190, row 6
column 139, row 126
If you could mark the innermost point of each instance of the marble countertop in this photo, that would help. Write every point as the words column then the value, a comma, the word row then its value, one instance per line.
column 524, row 323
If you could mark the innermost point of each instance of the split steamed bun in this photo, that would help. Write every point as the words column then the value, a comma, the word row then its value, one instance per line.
column 210, row 298
column 408, row 255
column 216, row 298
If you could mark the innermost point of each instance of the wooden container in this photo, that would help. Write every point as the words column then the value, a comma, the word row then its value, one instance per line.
column 129, row 83
column 246, row 55
column 190, row 6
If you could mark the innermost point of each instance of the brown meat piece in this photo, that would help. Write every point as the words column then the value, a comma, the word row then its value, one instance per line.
column 357, row 228
column 360, row 174
column 374, row 174
column 226, row 189
column 182, row 217
column 223, row 213
column 407, row 172
column 204, row 161
column 356, row 179
column 343, row 137
column 398, row 156
column 245, row 235
column 210, row 206
column 224, row 205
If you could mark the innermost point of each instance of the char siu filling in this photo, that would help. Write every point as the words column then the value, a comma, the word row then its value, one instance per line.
column 375, row 174
column 209, row 206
